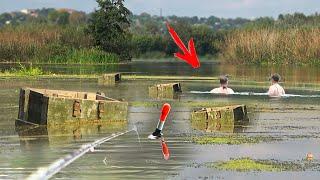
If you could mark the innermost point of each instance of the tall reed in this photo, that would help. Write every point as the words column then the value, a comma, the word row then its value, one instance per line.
column 300, row 45
column 49, row 44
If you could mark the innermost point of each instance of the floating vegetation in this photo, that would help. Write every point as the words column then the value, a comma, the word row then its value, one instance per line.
column 179, row 104
column 231, row 140
column 252, row 106
column 247, row 164
column 24, row 71
column 244, row 164
column 181, row 78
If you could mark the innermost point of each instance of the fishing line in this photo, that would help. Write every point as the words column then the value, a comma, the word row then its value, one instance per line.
column 55, row 167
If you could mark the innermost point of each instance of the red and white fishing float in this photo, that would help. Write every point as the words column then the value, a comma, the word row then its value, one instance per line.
column 164, row 113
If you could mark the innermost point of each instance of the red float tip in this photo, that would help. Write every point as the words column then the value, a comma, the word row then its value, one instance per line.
column 165, row 111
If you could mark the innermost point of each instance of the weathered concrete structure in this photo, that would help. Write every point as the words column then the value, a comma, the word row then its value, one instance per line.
column 165, row 90
column 109, row 79
column 223, row 119
column 55, row 107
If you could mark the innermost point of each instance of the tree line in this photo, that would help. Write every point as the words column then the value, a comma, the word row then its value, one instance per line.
column 112, row 31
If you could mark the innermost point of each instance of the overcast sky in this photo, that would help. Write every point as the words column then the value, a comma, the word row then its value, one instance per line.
column 201, row 8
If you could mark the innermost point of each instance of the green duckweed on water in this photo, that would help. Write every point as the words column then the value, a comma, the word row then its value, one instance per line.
column 178, row 104
column 252, row 107
column 244, row 164
column 247, row 164
column 230, row 140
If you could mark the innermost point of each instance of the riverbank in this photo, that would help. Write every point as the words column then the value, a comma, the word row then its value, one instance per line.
column 52, row 44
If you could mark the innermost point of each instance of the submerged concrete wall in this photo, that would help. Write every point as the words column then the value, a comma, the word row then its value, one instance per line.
column 109, row 79
column 166, row 91
column 53, row 107
column 223, row 119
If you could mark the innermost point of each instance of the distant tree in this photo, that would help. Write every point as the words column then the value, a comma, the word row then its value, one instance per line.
column 109, row 25
column 63, row 18
column 56, row 17
column 45, row 11
column 5, row 17
column 212, row 20
column 77, row 18
column 152, row 27
column 53, row 16
column 183, row 28
column 281, row 17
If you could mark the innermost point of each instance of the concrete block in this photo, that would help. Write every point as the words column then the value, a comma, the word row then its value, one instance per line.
column 223, row 119
column 166, row 91
column 54, row 107
column 109, row 79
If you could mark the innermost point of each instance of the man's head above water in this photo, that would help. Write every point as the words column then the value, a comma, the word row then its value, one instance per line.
column 223, row 80
column 275, row 90
column 275, row 78
column 223, row 89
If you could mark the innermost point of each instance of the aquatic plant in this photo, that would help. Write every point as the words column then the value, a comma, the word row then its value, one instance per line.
column 231, row 140
column 85, row 56
column 40, row 43
column 24, row 71
column 245, row 164
column 298, row 45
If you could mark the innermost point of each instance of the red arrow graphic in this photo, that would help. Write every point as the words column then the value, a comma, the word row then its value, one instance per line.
column 190, row 56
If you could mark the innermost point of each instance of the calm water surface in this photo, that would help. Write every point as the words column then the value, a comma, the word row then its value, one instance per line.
column 295, row 119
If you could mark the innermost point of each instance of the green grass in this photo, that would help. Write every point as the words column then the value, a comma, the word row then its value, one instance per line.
column 245, row 164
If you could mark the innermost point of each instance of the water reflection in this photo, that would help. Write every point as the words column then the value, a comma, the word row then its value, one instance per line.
column 165, row 149
column 125, row 158
column 290, row 74
column 62, row 134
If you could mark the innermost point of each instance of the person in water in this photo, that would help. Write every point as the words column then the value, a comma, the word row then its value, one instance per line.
column 275, row 90
column 223, row 89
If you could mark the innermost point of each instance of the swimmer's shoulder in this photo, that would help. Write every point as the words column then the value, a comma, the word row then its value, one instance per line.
column 215, row 90
column 230, row 91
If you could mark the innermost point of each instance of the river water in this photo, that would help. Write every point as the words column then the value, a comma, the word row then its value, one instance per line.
column 296, row 120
